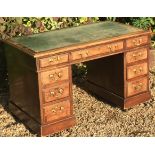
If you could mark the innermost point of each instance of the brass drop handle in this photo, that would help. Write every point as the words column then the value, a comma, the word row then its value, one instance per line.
column 137, row 42
column 116, row 46
column 140, row 54
column 57, row 58
column 110, row 47
column 135, row 70
column 52, row 93
column 50, row 60
column 53, row 111
column 51, row 75
column 59, row 74
column 60, row 90
column 55, row 76
column 140, row 69
column 84, row 53
column 134, row 55
column 138, row 87
column 61, row 108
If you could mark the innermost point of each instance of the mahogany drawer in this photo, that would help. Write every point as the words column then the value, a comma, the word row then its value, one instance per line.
column 56, row 92
column 136, row 55
column 137, row 70
column 52, row 76
column 53, row 60
column 137, row 86
column 137, row 41
column 56, row 111
column 96, row 50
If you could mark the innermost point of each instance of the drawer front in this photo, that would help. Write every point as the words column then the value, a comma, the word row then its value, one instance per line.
column 136, row 55
column 137, row 86
column 50, row 77
column 137, row 70
column 135, row 42
column 92, row 51
column 53, row 60
column 56, row 92
column 56, row 111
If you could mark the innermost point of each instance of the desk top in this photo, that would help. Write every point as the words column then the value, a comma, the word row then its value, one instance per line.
column 75, row 35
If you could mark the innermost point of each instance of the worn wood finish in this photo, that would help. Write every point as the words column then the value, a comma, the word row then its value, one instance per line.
column 137, row 70
column 55, row 75
column 93, row 51
column 137, row 86
column 56, row 92
column 56, row 111
column 136, row 55
column 40, row 75
column 53, row 60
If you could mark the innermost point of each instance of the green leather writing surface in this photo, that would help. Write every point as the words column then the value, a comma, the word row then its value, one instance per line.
column 75, row 35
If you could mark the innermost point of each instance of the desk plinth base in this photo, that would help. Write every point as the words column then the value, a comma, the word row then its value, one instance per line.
column 36, row 127
column 124, row 103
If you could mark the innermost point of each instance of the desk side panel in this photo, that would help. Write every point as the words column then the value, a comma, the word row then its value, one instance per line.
column 23, row 82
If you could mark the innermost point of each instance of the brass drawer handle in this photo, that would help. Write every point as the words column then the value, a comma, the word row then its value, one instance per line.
column 55, row 59
column 112, row 47
column 56, row 76
column 138, row 87
column 139, row 70
column 116, row 46
column 62, row 108
column 84, row 54
column 137, row 42
column 140, row 54
column 52, row 93
column 61, row 90
column 136, row 55
column 56, row 109
column 53, row 111
column 51, row 76
column 59, row 74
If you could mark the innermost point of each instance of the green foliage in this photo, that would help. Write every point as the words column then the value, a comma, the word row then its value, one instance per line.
column 144, row 22
column 17, row 26
column 111, row 18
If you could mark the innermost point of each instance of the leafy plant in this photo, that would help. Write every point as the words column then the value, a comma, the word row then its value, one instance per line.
column 111, row 18
column 144, row 22
column 17, row 26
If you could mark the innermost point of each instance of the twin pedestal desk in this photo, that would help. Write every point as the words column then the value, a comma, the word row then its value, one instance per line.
column 40, row 74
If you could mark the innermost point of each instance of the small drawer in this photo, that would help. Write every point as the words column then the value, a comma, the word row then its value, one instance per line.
column 56, row 92
column 56, row 111
column 137, row 86
column 50, row 77
column 135, row 42
column 96, row 50
column 137, row 70
column 53, row 60
column 136, row 55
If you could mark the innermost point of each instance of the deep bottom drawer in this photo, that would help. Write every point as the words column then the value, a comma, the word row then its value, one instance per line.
column 137, row 86
column 56, row 111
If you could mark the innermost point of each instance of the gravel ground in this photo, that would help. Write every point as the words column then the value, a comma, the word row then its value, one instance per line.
column 95, row 118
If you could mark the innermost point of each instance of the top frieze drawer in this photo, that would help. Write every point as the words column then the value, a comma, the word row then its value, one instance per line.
column 53, row 60
column 137, row 41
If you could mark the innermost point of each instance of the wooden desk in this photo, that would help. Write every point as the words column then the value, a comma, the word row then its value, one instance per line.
column 40, row 75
